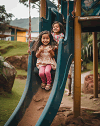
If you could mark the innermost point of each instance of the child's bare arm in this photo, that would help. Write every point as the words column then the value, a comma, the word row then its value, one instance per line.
column 39, row 52
column 61, row 37
column 55, row 48
column 51, row 52
column 29, row 51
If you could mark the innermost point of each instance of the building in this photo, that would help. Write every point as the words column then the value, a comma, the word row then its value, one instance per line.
column 14, row 33
column 34, row 35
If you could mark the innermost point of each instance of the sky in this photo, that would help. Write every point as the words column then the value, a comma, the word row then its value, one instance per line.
column 18, row 10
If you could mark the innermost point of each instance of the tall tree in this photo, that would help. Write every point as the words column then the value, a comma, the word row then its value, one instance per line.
column 35, row 4
column 4, row 18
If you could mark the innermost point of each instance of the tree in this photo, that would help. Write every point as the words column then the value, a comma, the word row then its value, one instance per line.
column 34, row 4
column 4, row 18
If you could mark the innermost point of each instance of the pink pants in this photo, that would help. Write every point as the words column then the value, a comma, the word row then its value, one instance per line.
column 45, row 75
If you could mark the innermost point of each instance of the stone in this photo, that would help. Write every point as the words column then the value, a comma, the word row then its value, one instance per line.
column 91, row 97
column 7, row 78
column 19, row 62
column 88, row 86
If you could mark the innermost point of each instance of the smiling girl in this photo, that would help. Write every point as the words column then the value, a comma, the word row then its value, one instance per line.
column 43, row 48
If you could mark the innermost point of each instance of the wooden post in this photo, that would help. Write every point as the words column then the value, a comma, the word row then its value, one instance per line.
column 15, row 35
column 43, row 8
column 29, row 31
column 95, row 64
column 77, row 61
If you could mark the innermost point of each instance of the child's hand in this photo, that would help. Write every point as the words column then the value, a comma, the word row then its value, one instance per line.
column 49, row 50
column 61, row 37
column 55, row 48
column 29, row 51
column 81, row 60
column 73, row 13
column 41, row 49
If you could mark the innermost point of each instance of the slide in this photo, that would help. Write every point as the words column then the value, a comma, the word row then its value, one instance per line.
column 38, row 107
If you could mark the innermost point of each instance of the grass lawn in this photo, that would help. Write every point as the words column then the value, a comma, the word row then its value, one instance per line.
column 8, row 102
column 13, row 48
column 21, row 72
column 90, row 67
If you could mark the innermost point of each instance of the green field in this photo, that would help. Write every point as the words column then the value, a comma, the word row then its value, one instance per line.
column 13, row 48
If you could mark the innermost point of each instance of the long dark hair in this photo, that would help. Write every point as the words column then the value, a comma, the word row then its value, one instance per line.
column 62, row 29
column 38, row 43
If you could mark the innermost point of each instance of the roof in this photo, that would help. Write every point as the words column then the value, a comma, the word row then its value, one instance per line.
column 18, row 28
column 3, row 36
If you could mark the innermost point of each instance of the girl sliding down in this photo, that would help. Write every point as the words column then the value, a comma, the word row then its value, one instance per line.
column 57, row 31
column 45, row 57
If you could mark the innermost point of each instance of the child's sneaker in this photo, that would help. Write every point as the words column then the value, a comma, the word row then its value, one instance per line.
column 48, row 87
column 43, row 85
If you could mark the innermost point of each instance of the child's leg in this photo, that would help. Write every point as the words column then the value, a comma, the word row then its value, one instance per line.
column 48, row 73
column 69, row 85
column 72, row 84
column 48, row 76
column 42, row 74
column 69, row 80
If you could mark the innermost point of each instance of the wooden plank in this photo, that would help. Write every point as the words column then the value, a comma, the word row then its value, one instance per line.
column 80, row 19
column 95, row 64
column 43, row 9
column 90, row 23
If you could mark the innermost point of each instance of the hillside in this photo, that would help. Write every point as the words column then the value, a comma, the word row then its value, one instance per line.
column 13, row 48
column 24, row 23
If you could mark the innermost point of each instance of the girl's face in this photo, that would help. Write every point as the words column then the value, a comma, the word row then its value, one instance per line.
column 45, row 39
column 56, row 28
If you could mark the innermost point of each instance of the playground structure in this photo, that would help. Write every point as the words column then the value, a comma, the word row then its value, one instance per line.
column 69, row 48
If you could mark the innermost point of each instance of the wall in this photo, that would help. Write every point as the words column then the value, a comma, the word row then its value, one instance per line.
column 21, row 36
column 33, row 35
column 7, row 32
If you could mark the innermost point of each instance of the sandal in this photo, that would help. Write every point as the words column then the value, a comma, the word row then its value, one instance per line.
column 69, row 94
column 48, row 87
column 43, row 85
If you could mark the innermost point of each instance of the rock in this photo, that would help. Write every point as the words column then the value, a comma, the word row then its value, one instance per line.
column 62, row 109
column 19, row 62
column 88, row 86
column 91, row 97
column 95, row 99
column 7, row 78
column 41, row 107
